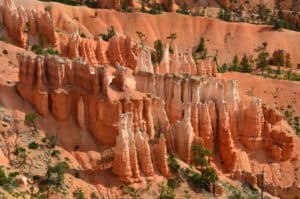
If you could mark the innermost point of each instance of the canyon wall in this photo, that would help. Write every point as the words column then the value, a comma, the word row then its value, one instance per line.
column 25, row 27
column 219, row 118
column 177, row 110
column 74, row 89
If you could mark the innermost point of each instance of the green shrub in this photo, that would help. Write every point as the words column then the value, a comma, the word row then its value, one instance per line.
column 78, row 194
column 172, row 36
column 125, row 8
column 131, row 191
column 155, row 9
column 33, row 145
column 20, row 152
column 223, row 68
column 208, row 175
column 82, row 35
column 50, row 141
column 91, row 4
column 173, row 164
column 200, row 50
column 55, row 153
column 55, row 174
column 165, row 192
column 184, row 9
column 278, row 24
column 8, row 182
column 262, row 61
column 30, row 120
column 47, row 8
column 201, row 181
column 157, row 55
column 52, row 51
column 235, row 64
column 173, row 183
column 37, row 49
column 110, row 33
column 201, row 46
column 77, row 174
column 94, row 196
column 235, row 195
column 200, row 155
column 225, row 14
column 245, row 65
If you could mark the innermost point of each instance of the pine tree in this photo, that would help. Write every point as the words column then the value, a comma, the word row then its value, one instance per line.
column 245, row 65
column 235, row 64
column 201, row 46
column 262, row 61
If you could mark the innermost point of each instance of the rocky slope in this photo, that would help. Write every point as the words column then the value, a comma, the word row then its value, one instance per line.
column 224, row 39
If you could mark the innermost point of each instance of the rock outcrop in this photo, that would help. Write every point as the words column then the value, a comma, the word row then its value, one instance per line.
column 24, row 26
column 163, row 113
column 14, row 20
column 76, row 89
column 120, row 51
column 219, row 119
column 144, row 63
column 184, row 135
column 205, row 127
column 121, row 164
column 144, row 153
column 252, row 122
column 160, row 150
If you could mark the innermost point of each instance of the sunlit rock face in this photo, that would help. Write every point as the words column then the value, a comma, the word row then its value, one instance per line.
column 184, row 135
column 219, row 118
column 76, row 89
column 22, row 25
column 163, row 113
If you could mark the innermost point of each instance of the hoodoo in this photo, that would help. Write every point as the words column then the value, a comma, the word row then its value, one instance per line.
column 139, row 102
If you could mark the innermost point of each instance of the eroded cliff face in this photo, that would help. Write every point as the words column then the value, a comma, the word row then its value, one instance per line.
column 164, row 113
column 25, row 27
column 109, row 109
column 226, row 123
column 173, row 106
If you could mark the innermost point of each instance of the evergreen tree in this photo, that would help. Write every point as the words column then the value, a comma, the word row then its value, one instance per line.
column 201, row 49
column 245, row 65
column 225, row 14
column 235, row 64
column 278, row 71
column 262, row 61
column 280, row 60
column 201, row 46
column 157, row 55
